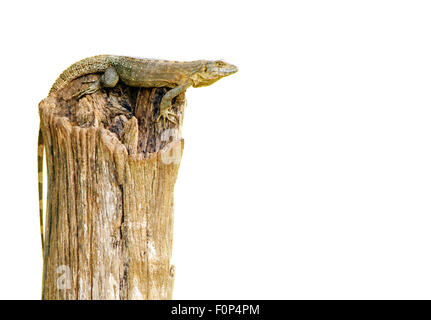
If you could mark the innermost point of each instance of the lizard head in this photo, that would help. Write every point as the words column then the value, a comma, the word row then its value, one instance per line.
column 211, row 71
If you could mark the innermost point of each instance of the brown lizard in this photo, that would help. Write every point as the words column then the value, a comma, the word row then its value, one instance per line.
column 136, row 72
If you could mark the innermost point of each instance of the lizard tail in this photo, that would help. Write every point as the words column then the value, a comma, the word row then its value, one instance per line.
column 40, row 146
column 85, row 66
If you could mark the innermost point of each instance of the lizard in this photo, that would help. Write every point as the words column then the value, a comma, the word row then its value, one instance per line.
column 136, row 72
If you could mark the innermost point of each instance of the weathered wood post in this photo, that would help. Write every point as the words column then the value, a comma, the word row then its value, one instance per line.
column 111, row 173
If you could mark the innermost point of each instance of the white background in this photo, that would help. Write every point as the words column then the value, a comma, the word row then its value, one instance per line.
column 305, row 175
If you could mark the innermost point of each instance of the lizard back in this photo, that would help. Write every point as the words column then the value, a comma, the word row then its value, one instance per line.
column 85, row 66
column 147, row 73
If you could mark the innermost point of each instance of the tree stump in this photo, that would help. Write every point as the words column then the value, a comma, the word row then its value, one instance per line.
column 111, row 173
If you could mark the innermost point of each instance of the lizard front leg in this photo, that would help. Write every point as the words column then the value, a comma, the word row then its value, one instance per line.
column 108, row 80
column 165, row 104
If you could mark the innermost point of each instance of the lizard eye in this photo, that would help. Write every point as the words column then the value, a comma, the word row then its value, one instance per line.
column 219, row 64
column 205, row 69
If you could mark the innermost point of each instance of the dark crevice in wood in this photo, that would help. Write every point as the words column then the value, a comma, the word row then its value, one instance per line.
column 118, row 105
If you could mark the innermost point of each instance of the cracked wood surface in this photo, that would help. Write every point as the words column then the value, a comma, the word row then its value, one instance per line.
column 111, row 173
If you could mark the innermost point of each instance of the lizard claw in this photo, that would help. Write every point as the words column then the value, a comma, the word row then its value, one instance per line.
column 166, row 115
column 82, row 93
column 91, row 89
column 89, row 81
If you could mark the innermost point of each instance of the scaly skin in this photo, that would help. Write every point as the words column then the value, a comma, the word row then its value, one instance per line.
column 136, row 72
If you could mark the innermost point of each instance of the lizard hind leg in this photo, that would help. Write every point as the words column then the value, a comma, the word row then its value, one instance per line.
column 108, row 80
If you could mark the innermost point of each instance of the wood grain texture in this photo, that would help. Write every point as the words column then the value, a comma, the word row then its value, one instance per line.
column 111, row 173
